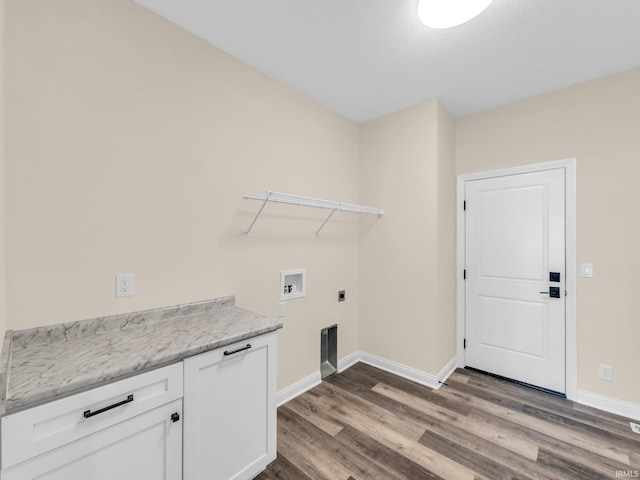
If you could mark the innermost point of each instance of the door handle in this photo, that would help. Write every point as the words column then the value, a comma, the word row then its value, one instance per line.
column 554, row 292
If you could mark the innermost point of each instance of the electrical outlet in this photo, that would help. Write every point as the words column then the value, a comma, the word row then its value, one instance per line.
column 586, row 270
column 124, row 285
column 605, row 372
column 635, row 427
column 282, row 309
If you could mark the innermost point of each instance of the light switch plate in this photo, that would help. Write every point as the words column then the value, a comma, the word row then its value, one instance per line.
column 586, row 270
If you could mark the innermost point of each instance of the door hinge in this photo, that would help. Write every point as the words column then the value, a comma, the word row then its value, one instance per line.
column 464, row 205
column 464, row 343
column 464, row 274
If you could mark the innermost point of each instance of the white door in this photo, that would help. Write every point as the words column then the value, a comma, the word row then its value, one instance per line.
column 515, row 241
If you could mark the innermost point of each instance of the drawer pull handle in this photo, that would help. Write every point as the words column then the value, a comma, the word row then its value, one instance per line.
column 247, row 347
column 89, row 413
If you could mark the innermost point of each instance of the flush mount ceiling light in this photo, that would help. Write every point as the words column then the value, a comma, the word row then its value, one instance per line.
column 449, row 13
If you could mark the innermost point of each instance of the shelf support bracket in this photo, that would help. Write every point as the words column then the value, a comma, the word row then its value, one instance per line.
column 327, row 219
column 257, row 215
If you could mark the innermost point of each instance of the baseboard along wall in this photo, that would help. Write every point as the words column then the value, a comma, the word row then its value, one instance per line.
column 433, row 381
column 583, row 397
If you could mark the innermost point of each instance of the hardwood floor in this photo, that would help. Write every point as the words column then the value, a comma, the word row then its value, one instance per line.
column 366, row 424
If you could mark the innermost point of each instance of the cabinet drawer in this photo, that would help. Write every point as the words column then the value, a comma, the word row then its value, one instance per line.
column 145, row 447
column 37, row 430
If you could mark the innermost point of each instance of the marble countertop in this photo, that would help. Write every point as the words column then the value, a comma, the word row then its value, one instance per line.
column 42, row 364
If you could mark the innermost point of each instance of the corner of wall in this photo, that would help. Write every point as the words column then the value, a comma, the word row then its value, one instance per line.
column 407, row 166
column 445, row 330
column 3, row 297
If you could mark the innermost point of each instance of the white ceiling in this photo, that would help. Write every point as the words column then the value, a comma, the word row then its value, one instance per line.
column 367, row 58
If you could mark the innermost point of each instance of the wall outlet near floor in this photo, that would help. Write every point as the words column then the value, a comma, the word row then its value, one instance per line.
column 605, row 372
column 586, row 270
column 635, row 427
column 124, row 285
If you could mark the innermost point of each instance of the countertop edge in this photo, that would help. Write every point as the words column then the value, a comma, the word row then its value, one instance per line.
column 4, row 370
column 121, row 374
column 248, row 325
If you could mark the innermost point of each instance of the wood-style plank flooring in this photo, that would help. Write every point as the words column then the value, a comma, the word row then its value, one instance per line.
column 366, row 424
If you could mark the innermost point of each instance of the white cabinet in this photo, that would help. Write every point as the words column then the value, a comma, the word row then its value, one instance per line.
column 230, row 411
column 146, row 447
column 129, row 430
column 134, row 429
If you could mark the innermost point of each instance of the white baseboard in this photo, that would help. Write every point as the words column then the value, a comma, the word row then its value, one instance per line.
column 433, row 381
column 608, row 404
column 448, row 369
column 298, row 388
column 418, row 376
column 348, row 361
column 601, row 402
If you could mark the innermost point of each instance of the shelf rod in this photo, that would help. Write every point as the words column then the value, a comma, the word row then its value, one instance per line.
column 312, row 202
column 257, row 215
column 299, row 200
column 326, row 220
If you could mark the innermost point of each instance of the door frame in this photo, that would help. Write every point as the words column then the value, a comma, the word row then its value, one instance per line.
column 571, row 323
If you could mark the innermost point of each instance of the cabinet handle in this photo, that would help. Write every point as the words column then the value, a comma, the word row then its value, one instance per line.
column 247, row 347
column 89, row 413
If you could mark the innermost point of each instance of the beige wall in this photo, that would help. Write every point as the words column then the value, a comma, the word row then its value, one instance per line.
column 406, row 167
column 130, row 145
column 3, row 285
column 598, row 123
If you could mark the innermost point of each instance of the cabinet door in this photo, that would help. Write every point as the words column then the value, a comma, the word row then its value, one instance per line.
column 230, row 410
column 145, row 447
